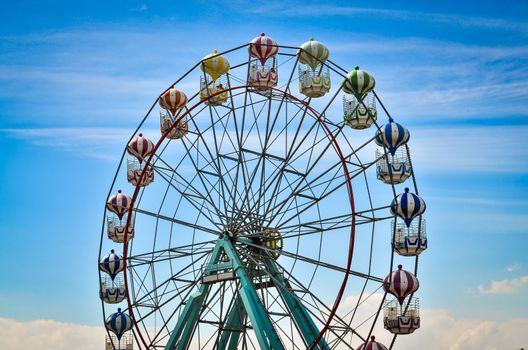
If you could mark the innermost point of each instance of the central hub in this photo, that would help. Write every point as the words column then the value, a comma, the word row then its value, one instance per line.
column 261, row 240
column 230, row 233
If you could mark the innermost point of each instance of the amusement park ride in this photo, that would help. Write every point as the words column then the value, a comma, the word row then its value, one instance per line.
column 247, row 210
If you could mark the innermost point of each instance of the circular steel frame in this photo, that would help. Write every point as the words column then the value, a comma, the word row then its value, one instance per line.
column 341, row 72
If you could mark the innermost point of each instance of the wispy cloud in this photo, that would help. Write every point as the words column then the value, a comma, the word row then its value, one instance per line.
column 299, row 10
column 140, row 8
column 496, row 223
column 440, row 150
column 118, row 72
column 513, row 267
column 469, row 149
column 375, row 44
column 482, row 201
column 100, row 143
column 505, row 286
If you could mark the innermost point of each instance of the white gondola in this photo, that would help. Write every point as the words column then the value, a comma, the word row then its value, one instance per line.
column 125, row 343
column 135, row 174
column 263, row 77
column 396, row 170
column 112, row 292
column 409, row 241
column 179, row 131
column 401, row 319
column 314, row 83
column 213, row 92
column 116, row 229
column 359, row 115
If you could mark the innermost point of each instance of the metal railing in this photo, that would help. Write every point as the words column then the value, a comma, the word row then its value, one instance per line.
column 209, row 87
column 306, row 74
column 416, row 229
column 399, row 157
column 350, row 102
column 392, row 309
column 125, row 343
column 133, row 164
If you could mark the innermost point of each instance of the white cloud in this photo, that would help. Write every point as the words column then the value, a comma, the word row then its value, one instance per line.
column 513, row 267
column 439, row 331
column 49, row 335
column 505, row 286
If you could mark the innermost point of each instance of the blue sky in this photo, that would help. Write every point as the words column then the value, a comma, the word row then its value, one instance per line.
column 76, row 79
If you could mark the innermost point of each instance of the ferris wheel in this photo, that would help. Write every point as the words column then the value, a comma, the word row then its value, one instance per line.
column 266, row 211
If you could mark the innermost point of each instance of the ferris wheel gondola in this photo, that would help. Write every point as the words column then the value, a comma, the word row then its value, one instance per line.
column 213, row 85
column 263, row 73
column 314, row 76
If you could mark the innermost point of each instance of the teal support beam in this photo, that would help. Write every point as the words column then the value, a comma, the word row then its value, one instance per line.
column 266, row 335
column 233, row 326
column 192, row 319
column 182, row 333
column 233, row 343
column 300, row 315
